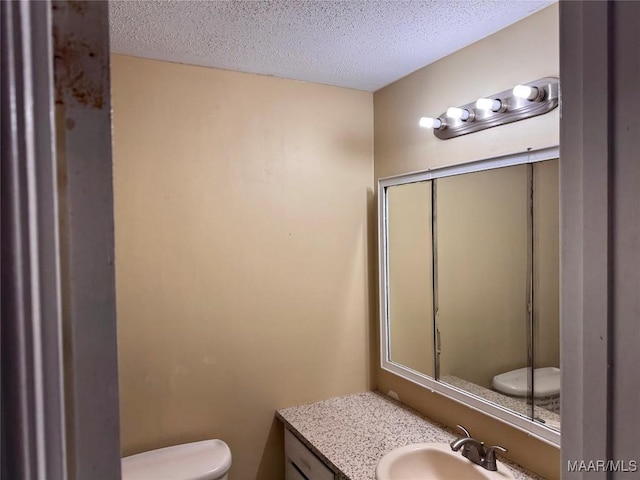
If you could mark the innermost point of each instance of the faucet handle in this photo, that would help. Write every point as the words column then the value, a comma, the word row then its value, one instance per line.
column 490, row 457
column 464, row 430
column 466, row 447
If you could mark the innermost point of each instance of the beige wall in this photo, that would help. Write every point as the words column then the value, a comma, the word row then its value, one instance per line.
column 523, row 52
column 243, row 270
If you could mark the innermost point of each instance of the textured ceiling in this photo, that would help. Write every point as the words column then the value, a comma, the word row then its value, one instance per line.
column 359, row 44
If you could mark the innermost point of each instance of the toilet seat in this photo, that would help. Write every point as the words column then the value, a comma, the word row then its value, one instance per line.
column 515, row 382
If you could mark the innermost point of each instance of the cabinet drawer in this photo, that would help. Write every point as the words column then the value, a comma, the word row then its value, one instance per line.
column 310, row 465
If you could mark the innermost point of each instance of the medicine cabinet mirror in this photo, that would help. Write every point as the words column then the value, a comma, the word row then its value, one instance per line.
column 469, row 291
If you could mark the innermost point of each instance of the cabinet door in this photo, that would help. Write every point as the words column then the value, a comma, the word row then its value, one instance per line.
column 311, row 466
column 291, row 472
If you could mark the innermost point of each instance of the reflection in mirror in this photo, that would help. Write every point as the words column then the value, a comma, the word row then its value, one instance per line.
column 497, row 248
column 483, row 277
column 546, row 288
column 470, row 285
column 410, row 285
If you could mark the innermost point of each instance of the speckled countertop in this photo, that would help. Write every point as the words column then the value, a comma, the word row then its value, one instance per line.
column 351, row 434
column 518, row 405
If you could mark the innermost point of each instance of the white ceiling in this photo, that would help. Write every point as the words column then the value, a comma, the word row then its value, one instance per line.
column 358, row 44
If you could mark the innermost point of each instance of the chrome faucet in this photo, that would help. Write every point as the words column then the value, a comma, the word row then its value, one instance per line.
column 475, row 451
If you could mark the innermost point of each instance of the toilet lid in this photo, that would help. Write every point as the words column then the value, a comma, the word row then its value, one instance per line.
column 515, row 383
column 205, row 460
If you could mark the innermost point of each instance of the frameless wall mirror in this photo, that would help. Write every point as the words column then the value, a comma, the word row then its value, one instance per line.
column 469, row 285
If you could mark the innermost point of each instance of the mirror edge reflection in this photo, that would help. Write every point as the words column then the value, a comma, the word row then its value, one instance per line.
column 494, row 410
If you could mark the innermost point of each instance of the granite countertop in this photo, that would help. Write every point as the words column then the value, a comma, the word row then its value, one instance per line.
column 351, row 434
column 518, row 405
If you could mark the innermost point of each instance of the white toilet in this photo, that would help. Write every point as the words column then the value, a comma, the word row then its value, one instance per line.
column 205, row 460
column 547, row 385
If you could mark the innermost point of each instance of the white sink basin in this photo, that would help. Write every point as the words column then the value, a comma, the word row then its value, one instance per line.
column 433, row 461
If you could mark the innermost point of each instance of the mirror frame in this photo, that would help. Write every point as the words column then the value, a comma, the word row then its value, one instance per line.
column 494, row 410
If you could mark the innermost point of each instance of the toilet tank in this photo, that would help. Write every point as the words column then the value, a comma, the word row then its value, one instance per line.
column 205, row 460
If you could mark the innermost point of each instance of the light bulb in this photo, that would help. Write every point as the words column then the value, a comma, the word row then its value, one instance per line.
column 458, row 113
column 525, row 91
column 428, row 122
column 488, row 104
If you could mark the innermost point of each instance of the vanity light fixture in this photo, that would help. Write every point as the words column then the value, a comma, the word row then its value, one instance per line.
column 528, row 92
column 493, row 104
column 460, row 114
column 522, row 101
column 428, row 122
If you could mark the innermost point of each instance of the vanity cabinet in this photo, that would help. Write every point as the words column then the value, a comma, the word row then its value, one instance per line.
column 301, row 463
